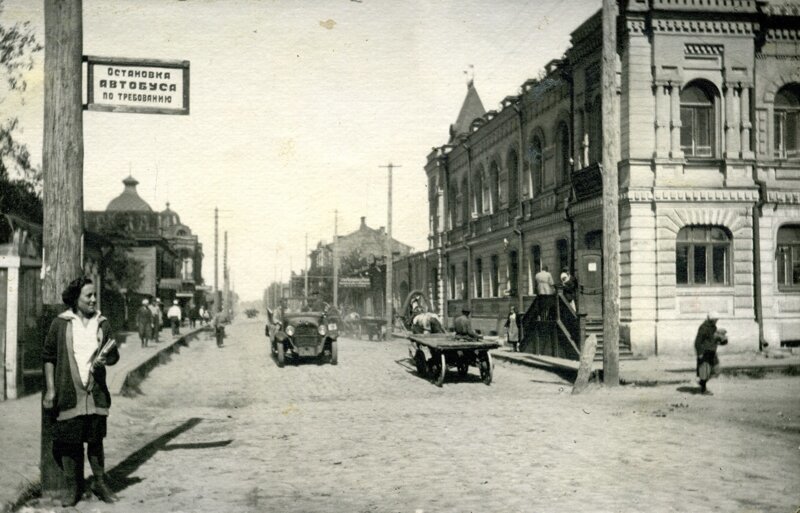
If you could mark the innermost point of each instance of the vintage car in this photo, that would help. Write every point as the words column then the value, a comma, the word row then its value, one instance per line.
column 307, row 335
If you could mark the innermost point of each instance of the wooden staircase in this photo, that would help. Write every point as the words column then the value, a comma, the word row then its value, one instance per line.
column 595, row 326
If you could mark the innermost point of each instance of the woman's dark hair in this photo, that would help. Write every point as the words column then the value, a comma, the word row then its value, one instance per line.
column 73, row 291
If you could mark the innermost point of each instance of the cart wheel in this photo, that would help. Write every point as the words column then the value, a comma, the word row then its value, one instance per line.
column 334, row 353
column 463, row 369
column 419, row 360
column 486, row 368
column 438, row 368
column 281, row 354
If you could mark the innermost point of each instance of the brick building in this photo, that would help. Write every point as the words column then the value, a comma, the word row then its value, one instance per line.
column 709, row 178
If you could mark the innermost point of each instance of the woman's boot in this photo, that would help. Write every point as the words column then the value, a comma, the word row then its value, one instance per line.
column 99, row 485
column 73, row 467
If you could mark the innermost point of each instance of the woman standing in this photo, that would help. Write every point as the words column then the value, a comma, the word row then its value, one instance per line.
column 76, row 350
column 512, row 328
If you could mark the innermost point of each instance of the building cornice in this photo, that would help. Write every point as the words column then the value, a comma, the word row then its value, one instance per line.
column 784, row 197
column 690, row 195
column 586, row 206
column 683, row 26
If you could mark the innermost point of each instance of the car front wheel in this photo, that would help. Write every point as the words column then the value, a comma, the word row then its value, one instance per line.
column 281, row 355
column 334, row 352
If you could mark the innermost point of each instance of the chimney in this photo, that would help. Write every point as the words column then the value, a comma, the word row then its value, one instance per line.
column 363, row 222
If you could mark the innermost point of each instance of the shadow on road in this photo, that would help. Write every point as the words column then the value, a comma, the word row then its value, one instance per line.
column 689, row 390
column 198, row 445
column 449, row 377
column 120, row 475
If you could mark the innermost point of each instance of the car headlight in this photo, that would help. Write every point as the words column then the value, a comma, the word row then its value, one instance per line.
column 322, row 330
column 290, row 330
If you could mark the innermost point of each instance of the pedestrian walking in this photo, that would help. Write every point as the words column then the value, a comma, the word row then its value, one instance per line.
column 174, row 316
column 194, row 316
column 705, row 345
column 218, row 327
column 545, row 293
column 570, row 285
column 144, row 323
column 513, row 329
column 76, row 350
column 155, row 310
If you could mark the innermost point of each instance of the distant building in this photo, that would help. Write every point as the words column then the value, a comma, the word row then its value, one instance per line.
column 171, row 255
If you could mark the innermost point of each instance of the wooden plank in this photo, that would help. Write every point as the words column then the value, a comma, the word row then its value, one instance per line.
column 448, row 342
column 585, row 367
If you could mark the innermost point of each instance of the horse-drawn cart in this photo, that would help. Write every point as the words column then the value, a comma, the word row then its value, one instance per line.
column 433, row 354
column 374, row 327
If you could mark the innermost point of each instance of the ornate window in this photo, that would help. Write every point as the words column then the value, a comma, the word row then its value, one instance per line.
column 464, row 201
column 788, row 257
column 512, row 163
column 698, row 121
column 495, row 277
column 513, row 273
column 787, row 122
column 703, row 255
column 564, row 164
column 451, row 282
column 494, row 188
column 537, row 165
column 477, row 192
column 478, row 278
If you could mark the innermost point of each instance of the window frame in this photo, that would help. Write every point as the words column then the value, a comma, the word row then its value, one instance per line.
column 708, row 246
column 693, row 107
column 478, row 277
column 781, row 115
column 781, row 250
column 494, row 277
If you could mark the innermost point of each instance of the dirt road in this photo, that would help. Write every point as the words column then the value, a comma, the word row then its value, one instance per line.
column 226, row 430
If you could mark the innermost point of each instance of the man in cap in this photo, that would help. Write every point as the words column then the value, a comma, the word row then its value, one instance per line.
column 705, row 345
column 463, row 326
column 174, row 316
column 155, row 310
column 144, row 322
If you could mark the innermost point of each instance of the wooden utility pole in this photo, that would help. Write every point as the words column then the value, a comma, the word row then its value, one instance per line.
column 336, row 258
column 305, row 272
column 610, row 197
column 62, row 187
column 389, row 276
column 225, row 283
column 217, row 306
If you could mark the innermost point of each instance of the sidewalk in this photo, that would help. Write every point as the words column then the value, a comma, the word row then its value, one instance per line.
column 666, row 370
column 21, row 418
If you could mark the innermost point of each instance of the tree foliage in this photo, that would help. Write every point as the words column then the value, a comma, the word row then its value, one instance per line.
column 20, row 179
column 353, row 263
column 122, row 271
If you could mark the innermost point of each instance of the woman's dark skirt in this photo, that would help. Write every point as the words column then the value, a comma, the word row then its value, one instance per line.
column 81, row 429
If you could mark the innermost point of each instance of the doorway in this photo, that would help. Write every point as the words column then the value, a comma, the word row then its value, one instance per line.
column 590, row 279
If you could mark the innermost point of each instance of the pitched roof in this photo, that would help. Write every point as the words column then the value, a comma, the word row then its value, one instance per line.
column 129, row 200
column 471, row 108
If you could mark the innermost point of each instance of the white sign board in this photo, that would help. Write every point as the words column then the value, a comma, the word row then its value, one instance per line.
column 137, row 85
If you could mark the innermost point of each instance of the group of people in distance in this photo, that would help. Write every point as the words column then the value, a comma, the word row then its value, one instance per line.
column 150, row 318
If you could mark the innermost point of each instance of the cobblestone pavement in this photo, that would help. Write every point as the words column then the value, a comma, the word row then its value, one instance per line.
column 226, row 430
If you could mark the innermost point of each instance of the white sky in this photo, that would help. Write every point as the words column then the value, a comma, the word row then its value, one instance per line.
column 289, row 119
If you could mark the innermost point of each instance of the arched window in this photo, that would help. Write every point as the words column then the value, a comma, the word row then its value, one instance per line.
column 478, row 278
column 788, row 257
column 452, row 205
column 477, row 192
column 464, row 201
column 564, row 166
column 703, row 256
column 494, row 188
column 698, row 121
column 512, row 164
column 787, row 122
column 596, row 131
column 536, row 165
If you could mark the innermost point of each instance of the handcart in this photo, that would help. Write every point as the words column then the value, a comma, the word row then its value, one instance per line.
column 433, row 354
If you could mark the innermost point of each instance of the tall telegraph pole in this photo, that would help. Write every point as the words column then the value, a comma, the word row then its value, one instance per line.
column 62, row 188
column 389, row 277
column 335, row 258
column 216, row 256
column 610, row 197
column 305, row 272
column 226, row 300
